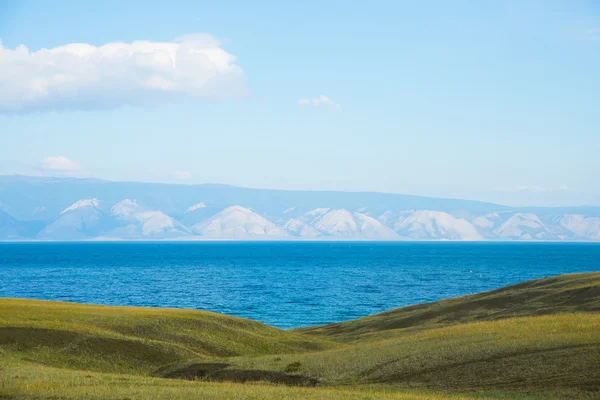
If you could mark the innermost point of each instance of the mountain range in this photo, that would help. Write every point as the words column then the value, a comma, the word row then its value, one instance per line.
column 39, row 208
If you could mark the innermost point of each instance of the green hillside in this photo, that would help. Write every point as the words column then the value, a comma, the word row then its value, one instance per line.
column 135, row 339
column 535, row 340
column 527, row 354
column 563, row 294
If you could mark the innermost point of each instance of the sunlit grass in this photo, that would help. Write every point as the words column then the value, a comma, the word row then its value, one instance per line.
column 531, row 353
column 19, row 380
column 135, row 339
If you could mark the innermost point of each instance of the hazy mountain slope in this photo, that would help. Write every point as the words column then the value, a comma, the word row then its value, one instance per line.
column 296, row 227
column 488, row 221
column 197, row 213
column 83, row 219
column 314, row 215
column 580, row 225
column 524, row 226
column 170, row 211
column 21, row 195
column 9, row 227
column 428, row 224
column 337, row 223
column 238, row 222
column 343, row 223
column 136, row 221
column 12, row 229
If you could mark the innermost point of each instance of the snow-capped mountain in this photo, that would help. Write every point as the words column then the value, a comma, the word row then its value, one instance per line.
column 295, row 227
column 136, row 222
column 125, row 208
column 584, row 227
column 313, row 215
column 237, row 222
column 84, row 209
column 488, row 221
column 83, row 219
column 393, row 220
column 343, row 223
column 428, row 224
column 388, row 218
column 337, row 223
column 198, row 213
column 81, row 204
column 524, row 226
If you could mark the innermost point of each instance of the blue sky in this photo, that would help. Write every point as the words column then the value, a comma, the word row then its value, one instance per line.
column 496, row 101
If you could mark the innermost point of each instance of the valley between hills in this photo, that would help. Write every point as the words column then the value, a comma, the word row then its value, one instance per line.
column 534, row 340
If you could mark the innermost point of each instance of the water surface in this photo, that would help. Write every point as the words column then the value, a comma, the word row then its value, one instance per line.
column 286, row 284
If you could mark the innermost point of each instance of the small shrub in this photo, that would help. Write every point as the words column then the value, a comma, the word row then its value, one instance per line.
column 293, row 367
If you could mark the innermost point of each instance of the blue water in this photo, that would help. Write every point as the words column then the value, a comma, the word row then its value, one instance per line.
column 282, row 284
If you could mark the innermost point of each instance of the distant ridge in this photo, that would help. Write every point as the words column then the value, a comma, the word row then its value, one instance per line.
column 169, row 211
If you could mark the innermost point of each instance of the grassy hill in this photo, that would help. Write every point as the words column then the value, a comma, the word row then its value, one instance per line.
column 528, row 354
column 562, row 294
column 135, row 339
column 535, row 340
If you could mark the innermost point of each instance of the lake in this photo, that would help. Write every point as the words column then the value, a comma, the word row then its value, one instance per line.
column 285, row 284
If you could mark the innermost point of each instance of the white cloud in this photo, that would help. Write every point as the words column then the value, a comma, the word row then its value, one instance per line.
column 321, row 101
column 58, row 164
column 84, row 76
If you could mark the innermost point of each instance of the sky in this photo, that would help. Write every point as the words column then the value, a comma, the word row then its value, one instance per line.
column 487, row 100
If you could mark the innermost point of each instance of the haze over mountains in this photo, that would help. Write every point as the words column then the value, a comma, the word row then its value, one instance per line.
column 35, row 208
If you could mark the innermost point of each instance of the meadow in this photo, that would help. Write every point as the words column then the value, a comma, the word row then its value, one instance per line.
column 534, row 340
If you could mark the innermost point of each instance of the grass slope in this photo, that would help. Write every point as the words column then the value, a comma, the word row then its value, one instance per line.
column 535, row 340
column 134, row 339
column 553, row 353
column 562, row 294
column 24, row 380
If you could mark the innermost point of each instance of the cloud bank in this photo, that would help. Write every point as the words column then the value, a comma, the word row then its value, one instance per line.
column 58, row 164
column 321, row 101
column 83, row 76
